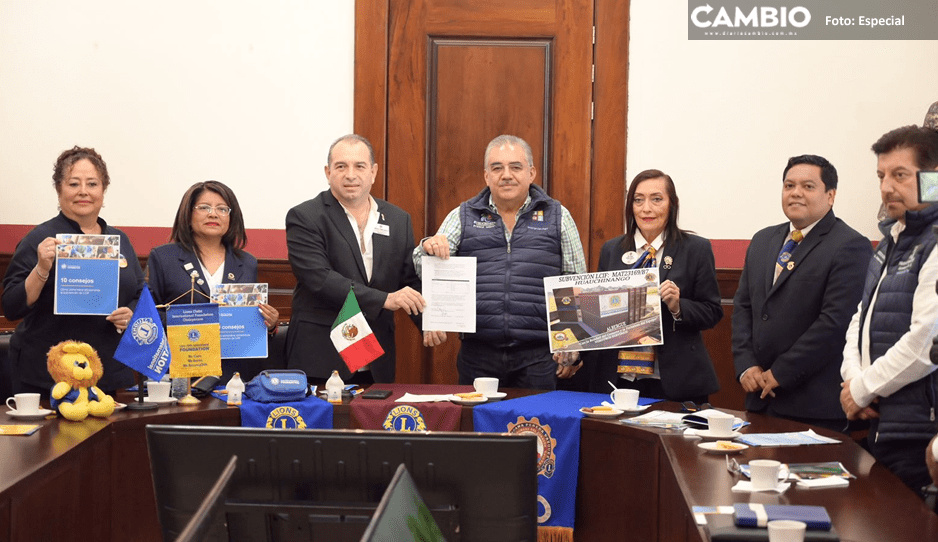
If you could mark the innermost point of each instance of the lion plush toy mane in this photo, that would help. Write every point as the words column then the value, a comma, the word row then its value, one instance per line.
column 76, row 369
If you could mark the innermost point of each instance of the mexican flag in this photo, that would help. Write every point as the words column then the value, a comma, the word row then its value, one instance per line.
column 352, row 336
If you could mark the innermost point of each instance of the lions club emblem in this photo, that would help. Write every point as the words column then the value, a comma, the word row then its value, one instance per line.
column 144, row 331
column 404, row 418
column 546, row 456
column 285, row 417
column 194, row 335
column 349, row 331
column 566, row 300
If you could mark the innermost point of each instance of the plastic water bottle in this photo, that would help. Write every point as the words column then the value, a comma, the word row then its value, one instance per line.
column 179, row 388
column 334, row 388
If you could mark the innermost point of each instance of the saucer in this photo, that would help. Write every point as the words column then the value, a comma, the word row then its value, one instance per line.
column 602, row 413
column 497, row 396
column 706, row 433
column 119, row 406
column 460, row 401
column 167, row 401
column 38, row 415
column 722, row 447
column 632, row 410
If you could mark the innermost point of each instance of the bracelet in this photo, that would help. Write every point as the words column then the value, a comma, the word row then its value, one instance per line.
column 39, row 274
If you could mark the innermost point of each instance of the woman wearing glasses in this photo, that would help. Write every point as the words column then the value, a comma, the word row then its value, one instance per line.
column 680, row 369
column 207, row 245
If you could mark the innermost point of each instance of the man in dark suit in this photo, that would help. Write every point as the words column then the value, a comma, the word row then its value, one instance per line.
column 800, row 285
column 343, row 238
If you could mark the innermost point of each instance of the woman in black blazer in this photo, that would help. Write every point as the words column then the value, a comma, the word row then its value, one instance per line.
column 690, row 297
column 207, row 245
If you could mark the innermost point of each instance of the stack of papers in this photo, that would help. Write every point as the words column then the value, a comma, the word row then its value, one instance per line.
column 796, row 438
column 418, row 398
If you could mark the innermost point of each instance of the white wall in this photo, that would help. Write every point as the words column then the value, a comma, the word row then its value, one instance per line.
column 251, row 92
column 723, row 117
column 247, row 92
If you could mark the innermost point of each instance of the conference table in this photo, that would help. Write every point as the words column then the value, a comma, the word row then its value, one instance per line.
column 91, row 480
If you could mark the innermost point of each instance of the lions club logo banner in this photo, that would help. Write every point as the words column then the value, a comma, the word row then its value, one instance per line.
column 554, row 418
column 310, row 413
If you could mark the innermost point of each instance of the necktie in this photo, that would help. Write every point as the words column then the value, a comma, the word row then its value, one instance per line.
column 785, row 254
column 647, row 259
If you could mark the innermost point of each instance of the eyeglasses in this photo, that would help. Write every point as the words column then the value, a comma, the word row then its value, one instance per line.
column 690, row 406
column 220, row 209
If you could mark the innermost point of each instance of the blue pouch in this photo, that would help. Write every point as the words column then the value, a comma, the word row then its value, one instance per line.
column 277, row 386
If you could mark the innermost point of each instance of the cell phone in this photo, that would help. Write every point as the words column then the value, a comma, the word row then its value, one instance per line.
column 376, row 394
column 927, row 186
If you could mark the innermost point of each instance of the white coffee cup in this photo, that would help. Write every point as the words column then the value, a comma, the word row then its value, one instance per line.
column 624, row 399
column 26, row 403
column 764, row 473
column 786, row 530
column 720, row 424
column 159, row 391
column 486, row 385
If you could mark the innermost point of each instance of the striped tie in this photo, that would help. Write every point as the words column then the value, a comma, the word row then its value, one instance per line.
column 649, row 260
column 785, row 255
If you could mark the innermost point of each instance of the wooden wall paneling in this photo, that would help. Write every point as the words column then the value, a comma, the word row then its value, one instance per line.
column 610, row 120
column 438, row 110
column 458, row 133
column 371, row 79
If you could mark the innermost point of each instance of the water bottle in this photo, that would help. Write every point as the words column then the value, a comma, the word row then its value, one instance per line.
column 334, row 388
column 179, row 388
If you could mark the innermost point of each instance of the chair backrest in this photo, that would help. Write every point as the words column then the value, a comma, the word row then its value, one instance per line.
column 204, row 518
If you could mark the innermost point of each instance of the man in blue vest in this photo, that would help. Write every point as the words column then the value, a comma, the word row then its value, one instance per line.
column 519, row 235
column 889, row 378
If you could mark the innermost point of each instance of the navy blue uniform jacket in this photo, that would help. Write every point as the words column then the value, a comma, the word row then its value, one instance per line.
column 797, row 327
column 685, row 366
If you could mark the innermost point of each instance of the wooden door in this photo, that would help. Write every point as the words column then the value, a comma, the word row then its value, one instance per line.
column 436, row 80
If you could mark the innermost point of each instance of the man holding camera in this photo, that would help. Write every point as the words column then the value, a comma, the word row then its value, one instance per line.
column 889, row 378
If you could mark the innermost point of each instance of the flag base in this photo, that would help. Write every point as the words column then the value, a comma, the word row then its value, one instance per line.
column 135, row 405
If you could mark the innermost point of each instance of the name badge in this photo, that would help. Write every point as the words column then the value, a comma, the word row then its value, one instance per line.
column 382, row 229
column 630, row 257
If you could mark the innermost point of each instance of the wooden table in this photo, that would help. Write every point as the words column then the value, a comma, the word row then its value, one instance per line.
column 640, row 484
column 91, row 481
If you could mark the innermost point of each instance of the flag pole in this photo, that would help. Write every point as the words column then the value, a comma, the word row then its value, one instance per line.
column 139, row 403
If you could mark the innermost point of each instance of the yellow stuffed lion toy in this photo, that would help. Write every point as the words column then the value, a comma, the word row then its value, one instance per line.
column 76, row 368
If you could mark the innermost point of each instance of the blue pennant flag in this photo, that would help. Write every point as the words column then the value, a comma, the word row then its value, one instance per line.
column 143, row 347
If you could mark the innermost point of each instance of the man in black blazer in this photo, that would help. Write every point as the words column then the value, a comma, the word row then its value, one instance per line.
column 340, row 239
column 789, row 332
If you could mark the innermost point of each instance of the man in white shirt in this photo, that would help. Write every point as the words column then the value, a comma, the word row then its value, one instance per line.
column 889, row 378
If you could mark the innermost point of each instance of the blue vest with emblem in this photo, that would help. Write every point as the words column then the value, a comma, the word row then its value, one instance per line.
column 909, row 413
column 510, row 306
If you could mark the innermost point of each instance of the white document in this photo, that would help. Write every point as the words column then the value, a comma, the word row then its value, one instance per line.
column 449, row 286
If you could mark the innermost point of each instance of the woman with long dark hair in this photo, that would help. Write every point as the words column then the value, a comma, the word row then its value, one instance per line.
column 680, row 369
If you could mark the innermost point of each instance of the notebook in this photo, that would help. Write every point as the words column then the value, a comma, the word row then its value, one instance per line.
column 722, row 529
column 757, row 515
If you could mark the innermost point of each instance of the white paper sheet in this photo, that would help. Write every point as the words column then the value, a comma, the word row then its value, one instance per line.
column 449, row 286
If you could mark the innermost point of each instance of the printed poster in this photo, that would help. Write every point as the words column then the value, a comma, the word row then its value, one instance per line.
column 243, row 331
column 87, row 273
column 194, row 340
column 612, row 309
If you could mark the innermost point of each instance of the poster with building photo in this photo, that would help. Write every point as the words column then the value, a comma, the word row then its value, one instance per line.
column 612, row 309
column 243, row 331
column 87, row 273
